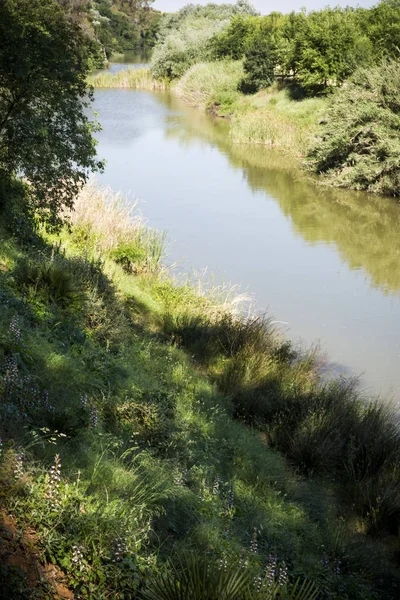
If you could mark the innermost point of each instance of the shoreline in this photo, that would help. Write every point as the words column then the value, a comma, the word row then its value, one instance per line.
column 207, row 395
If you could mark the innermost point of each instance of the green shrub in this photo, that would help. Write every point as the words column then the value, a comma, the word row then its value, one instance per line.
column 359, row 145
column 259, row 66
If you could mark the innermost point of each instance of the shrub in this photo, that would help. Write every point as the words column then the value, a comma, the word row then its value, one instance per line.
column 360, row 144
column 259, row 66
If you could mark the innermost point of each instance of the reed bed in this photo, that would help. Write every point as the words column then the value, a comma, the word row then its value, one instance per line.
column 106, row 221
column 138, row 79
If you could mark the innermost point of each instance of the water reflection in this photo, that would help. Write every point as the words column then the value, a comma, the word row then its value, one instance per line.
column 323, row 260
column 364, row 228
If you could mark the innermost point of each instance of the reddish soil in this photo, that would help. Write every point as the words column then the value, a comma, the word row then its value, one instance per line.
column 20, row 551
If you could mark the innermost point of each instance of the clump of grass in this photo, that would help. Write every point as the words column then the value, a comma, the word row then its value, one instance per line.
column 193, row 578
column 50, row 279
column 209, row 333
column 204, row 83
column 106, row 221
column 138, row 79
column 272, row 118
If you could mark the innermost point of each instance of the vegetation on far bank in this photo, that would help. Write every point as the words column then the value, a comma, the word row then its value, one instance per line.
column 113, row 26
column 313, row 84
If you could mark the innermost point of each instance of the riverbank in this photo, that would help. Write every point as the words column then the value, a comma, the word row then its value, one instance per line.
column 145, row 389
column 321, row 133
column 269, row 117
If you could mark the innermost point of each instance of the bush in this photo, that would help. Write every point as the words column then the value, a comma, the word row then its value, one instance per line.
column 259, row 66
column 360, row 143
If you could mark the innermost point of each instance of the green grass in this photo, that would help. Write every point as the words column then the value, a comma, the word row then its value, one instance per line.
column 273, row 118
column 167, row 411
column 205, row 82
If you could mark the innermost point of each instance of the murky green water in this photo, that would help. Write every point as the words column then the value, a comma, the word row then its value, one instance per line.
column 325, row 262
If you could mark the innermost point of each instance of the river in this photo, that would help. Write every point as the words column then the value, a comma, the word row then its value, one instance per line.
column 323, row 262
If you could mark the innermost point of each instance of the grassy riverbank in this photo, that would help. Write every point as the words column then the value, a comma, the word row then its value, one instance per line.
column 181, row 427
column 273, row 116
column 270, row 117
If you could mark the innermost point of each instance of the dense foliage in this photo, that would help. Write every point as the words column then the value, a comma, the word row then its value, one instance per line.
column 123, row 26
column 360, row 142
column 45, row 133
column 318, row 50
column 184, row 37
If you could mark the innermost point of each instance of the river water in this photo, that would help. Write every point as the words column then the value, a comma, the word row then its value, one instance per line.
column 326, row 263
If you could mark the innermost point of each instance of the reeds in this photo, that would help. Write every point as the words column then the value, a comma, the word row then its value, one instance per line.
column 106, row 221
column 204, row 82
column 138, row 79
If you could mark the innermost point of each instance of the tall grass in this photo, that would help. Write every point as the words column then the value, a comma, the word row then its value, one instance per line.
column 146, row 390
column 138, row 79
column 272, row 118
column 205, row 82
column 110, row 224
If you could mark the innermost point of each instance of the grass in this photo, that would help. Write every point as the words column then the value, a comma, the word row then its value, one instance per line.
column 273, row 118
column 181, row 427
column 205, row 81
column 138, row 79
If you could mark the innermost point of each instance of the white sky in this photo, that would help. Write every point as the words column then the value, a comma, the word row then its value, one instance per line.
column 267, row 6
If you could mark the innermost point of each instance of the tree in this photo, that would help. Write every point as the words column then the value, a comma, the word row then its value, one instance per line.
column 384, row 28
column 259, row 65
column 329, row 47
column 45, row 133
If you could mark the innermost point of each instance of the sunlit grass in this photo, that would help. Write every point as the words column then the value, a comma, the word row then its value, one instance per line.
column 205, row 82
column 167, row 404
column 140, row 79
column 272, row 118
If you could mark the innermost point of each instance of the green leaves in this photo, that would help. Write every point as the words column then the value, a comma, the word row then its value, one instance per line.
column 194, row 578
column 45, row 133
column 359, row 146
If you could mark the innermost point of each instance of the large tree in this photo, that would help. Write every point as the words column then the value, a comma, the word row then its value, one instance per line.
column 45, row 133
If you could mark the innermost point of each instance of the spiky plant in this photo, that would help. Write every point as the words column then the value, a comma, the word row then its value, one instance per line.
column 193, row 578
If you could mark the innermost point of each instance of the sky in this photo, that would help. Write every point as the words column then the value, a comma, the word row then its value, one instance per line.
column 267, row 6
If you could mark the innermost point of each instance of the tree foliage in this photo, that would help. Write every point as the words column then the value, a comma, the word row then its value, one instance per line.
column 184, row 37
column 360, row 144
column 45, row 133
column 124, row 25
column 318, row 50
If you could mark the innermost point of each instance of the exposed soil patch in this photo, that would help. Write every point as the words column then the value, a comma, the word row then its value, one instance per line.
column 19, row 550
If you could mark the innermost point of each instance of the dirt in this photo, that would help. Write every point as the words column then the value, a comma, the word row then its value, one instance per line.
column 21, row 550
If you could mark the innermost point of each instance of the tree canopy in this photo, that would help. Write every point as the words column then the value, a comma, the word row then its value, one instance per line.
column 45, row 133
